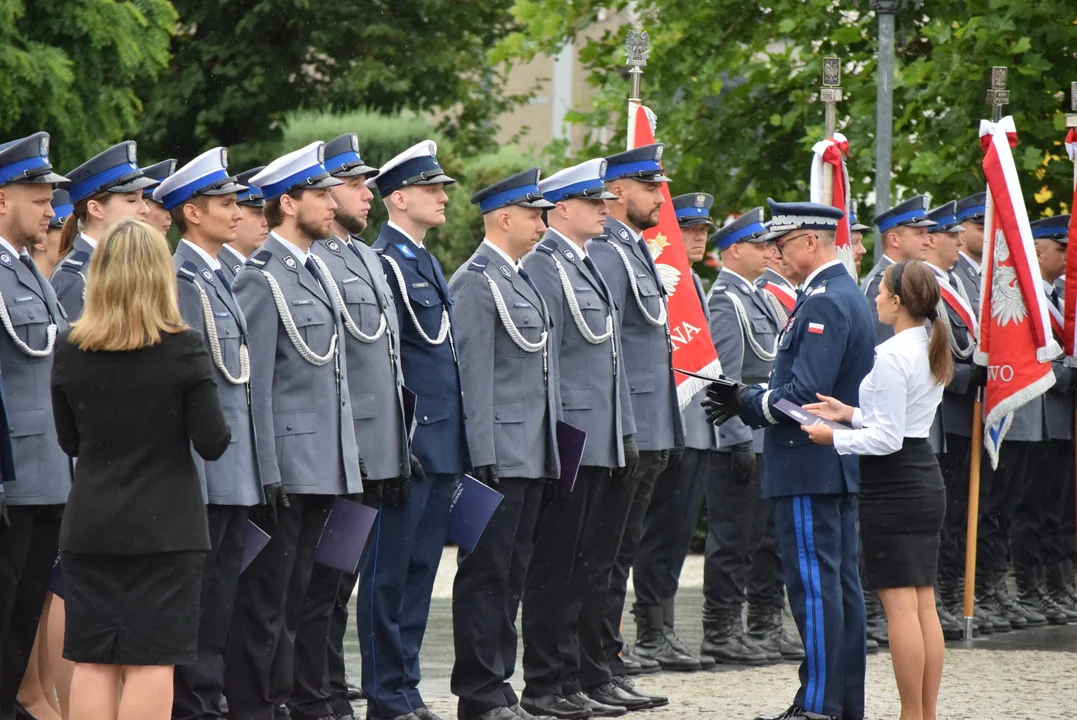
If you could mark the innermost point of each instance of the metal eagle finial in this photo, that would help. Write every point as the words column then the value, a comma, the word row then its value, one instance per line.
column 637, row 45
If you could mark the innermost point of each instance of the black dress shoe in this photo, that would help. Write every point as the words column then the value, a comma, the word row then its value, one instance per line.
column 557, row 706
column 637, row 664
column 405, row 716
column 501, row 713
column 613, row 694
column 629, row 686
column 598, row 709
column 354, row 692
column 796, row 712
column 425, row 713
column 519, row 712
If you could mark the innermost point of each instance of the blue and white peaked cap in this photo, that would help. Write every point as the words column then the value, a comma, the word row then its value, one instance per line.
column 693, row 209
column 519, row 189
column 945, row 219
column 579, row 182
column 747, row 228
column 418, row 165
column 972, row 208
column 342, row 157
column 787, row 217
column 643, row 163
column 61, row 205
column 207, row 174
column 115, row 170
column 910, row 213
column 252, row 195
column 158, row 171
column 26, row 160
column 302, row 169
column 1056, row 228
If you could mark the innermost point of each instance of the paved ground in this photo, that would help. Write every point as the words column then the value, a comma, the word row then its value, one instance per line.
column 1018, row 676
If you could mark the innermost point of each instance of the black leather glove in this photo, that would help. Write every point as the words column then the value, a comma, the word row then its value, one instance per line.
column 553, row 492
column 674, row 459
column 396, row 492
column 724, row 401
column 276, row 500
column 373, row 493
column 742, row 463
column 487, row 475
column 631, row 459
column 5, row 521
column 417, row 471
column 977, row 378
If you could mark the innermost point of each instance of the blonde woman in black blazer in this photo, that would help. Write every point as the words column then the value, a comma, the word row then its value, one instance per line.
column 133, row 390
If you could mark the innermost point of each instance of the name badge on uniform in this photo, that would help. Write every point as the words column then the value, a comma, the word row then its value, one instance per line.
column 303, row 302
column 406, row 251
column 26, row 298
column 418, row 285
column 641, row 275
column 582, row 288
column 349, row 280
column 521, row 305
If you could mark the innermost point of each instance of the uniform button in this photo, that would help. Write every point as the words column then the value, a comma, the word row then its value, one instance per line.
column 287, row 427
column 309, row 318
column 497, row 417
column 425, row 418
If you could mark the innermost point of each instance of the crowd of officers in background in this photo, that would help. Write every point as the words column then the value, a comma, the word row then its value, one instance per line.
column 319, row 340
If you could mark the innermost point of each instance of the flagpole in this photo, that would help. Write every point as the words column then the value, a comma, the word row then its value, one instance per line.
column 637, row 45
column 997, row 96
column 1071, row 122
column 830, row 95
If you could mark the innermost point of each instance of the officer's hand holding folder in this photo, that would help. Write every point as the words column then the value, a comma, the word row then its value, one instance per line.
column 724, row 397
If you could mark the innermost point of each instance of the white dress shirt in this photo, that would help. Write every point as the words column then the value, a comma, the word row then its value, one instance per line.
column 235, row 253
column 300, row 255
column 898, row 398
column 214, row 263
column 405, row 233
column 807, row 281
column 514, row 263
column 89, row 240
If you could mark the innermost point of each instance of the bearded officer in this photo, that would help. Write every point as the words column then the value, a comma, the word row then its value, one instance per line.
column 673, row 513
column 158, row 216
column 626, row 263
column 742, row 560
column 511, row 402
column 594, row 398
column 299, row 393
column 827, row 347
column 375, row 380
column 201, row 201
column 395, row 586
column 33, row 490
column 251, row 230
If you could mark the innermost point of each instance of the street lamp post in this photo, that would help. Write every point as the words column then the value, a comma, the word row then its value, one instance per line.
column 884, row 106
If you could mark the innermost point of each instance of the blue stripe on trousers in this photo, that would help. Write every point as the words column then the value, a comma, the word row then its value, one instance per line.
column 815, row 636
column 813, row 563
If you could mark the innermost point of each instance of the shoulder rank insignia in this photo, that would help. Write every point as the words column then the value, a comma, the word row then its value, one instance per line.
column 185, row 272
column 479, row 263
column 75, row 261
column 818, row 291
column 547, row 246
column 405, row 251
column 259, row 258
column 719, row 287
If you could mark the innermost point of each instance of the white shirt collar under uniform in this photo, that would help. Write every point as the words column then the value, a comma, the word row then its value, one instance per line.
column 975, row 265
column 818, row 270
column 394, row 226
column 213, row 263
column 582, row 250
column 238, row 255
column 4, row 244
column 515, row 264
column 89, row 240
column 300, row 256
column 738, row 276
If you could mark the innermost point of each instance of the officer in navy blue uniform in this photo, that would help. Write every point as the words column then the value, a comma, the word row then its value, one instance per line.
column 673, row 513
column 158, row 216
column 31, row 503
column 511, row 400
column 827, row 346
column 105, row 189
column 251, row 230
column 405, row 545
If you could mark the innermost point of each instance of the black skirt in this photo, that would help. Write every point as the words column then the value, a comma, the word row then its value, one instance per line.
column 132, row 609
column 902, row 506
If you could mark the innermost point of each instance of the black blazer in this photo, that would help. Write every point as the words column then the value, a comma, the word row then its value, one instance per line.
column 130, row 418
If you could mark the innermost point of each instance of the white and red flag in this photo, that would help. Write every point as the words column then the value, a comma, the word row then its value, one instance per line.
column 693, row 349
column 1016, row 342
column 831, row 153
column 1070, row 298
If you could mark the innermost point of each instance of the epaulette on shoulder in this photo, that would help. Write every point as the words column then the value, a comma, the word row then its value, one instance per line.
column 187, row 271
column 75, row 261
column 260, row 258
column 547, row 246
column 720, row 287
column 479, row 263
column 604, row 237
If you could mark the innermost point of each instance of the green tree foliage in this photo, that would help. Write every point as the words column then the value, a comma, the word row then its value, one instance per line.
column 241, row 66
column 733, row 84
column 69, row 68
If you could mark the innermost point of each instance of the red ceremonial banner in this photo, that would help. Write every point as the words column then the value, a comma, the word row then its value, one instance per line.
column 693, row 349
column 1070, row 302
column 1016, row 343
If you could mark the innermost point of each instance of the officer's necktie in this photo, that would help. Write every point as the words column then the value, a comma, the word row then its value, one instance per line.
column 29, row 263
column 650, row 263
column 527, row 279
column 590, row 265
column 313, row 270
column 224, row 280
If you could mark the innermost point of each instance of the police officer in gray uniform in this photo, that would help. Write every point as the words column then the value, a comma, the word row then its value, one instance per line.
column 36, row 488
column 299, row 393
column 251, row 230
column 742, row 560
column 970, row 213
column 594, row 398
column 511, row 402
column 201, row 200
column 673, row 513
column 625, row 261
column 376, row 383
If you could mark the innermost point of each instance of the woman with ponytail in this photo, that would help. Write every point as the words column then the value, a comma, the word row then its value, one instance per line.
column 104, row 190
column 902, row 498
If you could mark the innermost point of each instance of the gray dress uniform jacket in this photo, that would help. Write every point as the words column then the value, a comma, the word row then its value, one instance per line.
column 69, row 278
column 957, row 400
column 231, row 262
column 870, row 286
column 592, row 399
column 510, row 398
column 698, row 433
column 1057, row 402
column 311, row 447
column 968, row 275
column 42, row 470
column 640, row 295
column 233, row 478
column 746, row 344
column 375, row 379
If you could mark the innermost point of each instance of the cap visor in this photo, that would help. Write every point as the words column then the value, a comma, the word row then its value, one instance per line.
column 540, row 204
column 956, row 228
column 692, row 222
column 659, row 178
column 356, row 171
column 139, row 183
column 860, row 227
column 436, row 180
column 232, row 187
column 259, row 203
column 44, row 178
column 921, row 223
column 326, row 182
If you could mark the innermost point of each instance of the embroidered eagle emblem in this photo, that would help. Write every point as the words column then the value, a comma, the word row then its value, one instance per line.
column 669, row 275
column 1007, row 304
